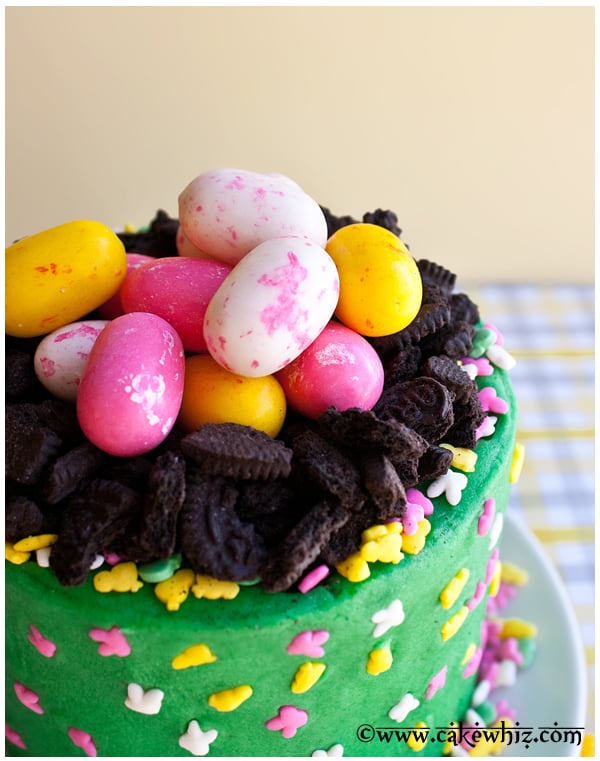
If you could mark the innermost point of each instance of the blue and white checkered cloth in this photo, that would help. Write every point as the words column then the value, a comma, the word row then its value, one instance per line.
column 550, row 331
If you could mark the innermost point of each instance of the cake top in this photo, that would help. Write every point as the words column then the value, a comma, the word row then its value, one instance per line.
column 205, row 482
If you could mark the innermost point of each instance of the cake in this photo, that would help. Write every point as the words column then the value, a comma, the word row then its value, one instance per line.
column 232, row 592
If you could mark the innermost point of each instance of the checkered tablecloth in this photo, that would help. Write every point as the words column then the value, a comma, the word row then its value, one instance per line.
column 550, row 332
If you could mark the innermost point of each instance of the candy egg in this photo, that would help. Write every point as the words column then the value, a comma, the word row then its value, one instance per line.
column 271, row 306
column 212, row 394
column 340, row 368
column 55, row 277
column 228, row 212
column 186, row 248
column 178, row 289
column 130, row 392
column 114, row 307
column 61, row 357
column 380, row 283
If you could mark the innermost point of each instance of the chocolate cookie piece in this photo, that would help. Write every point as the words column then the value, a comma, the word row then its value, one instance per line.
column 334, row 223
column 435, row 274
column 422, row 403
column 273, row 507
column 462, row 308
column 159, row 240
column 237, row 451
column 383, row 484
column 156, row 536
column 22, row 518
column 29, row 446
column 93, row 518
column 19, row 376
column 447, row 372
column 364, row 431
column 215, row 541
column 455, row 340
column 383, row 218
column 302, row 545
column 402, row 365
column 67, row 472
column 468, row 416
column 329, row 468
column 434, row 463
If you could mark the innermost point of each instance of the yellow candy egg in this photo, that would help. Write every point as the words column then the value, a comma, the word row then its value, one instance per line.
column 56, row 276
column 212, row 394
column 380, row 283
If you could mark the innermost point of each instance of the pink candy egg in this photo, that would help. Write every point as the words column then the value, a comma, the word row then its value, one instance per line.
column 178, row 289
column 113, row 307
column 131, row 390
column 271, row 306
column 340, row 368
column 228, row 212
column 61, row 357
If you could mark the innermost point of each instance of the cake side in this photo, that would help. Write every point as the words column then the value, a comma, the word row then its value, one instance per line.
column 79, row 689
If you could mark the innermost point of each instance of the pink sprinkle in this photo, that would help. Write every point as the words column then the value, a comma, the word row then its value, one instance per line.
column 412, row 515
column 438, row 681
column 473, row 663
column 28, row 697
column 506, row 592
column 486, row 519
column 490, row 673
column 504, row 711
column 483, row 365
column 417, row 498
column 45, row 646
column 288, row 720
column 82, row 740
column 313, row 578
column 491, row 566
column 112, row 558
column 508, row 650
column 112, row 641
column 309, row 643
column 477, row 596
column 490, row 401
column 14, row 737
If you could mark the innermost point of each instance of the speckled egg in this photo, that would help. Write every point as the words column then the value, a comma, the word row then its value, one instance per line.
column 271, row 306
column 61, row 357
column 130, row 392
column 114, row 306
column 228, row 212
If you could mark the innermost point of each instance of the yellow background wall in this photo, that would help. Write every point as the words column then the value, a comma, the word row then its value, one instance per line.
column 475, row 124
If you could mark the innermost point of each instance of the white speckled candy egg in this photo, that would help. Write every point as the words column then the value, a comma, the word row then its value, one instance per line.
column 271, row 306
column 61, row 357
column 131, row 390
column 228, row 212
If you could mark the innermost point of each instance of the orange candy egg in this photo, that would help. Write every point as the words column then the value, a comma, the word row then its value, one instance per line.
column 212, row 394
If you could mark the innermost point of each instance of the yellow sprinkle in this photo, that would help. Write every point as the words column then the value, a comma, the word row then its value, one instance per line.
column 380, row 530
column 306, row 676
column 121, row 578
column 495, row 582
column 388, row 549
column 195, row 655
column 463, row 459
column 214, row 589
column 13, row 556
column 174, row 591
column 413, row 742
column 412, row 545
column 33, row 543
column 512, row 574
column 453, row 624
column 449, row 594
column 129, row 228
column 380, row 660
column 588, row 747
column 516, row 627
column 487, row 747
column 354, row 568
column 469, row 653
column 229, row 700
column 517, row 463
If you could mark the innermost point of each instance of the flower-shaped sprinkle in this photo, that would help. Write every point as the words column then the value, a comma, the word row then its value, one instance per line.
column 112, row 641
column 309, row 643
column 491, row 402
column 451, row 484
column 412, row 544
column 500, row 357
column 400, row 711
column 143, row 701
column 336, row 751
column 386, row 618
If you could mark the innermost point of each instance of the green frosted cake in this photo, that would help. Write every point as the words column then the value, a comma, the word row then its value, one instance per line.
column 228, row 592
